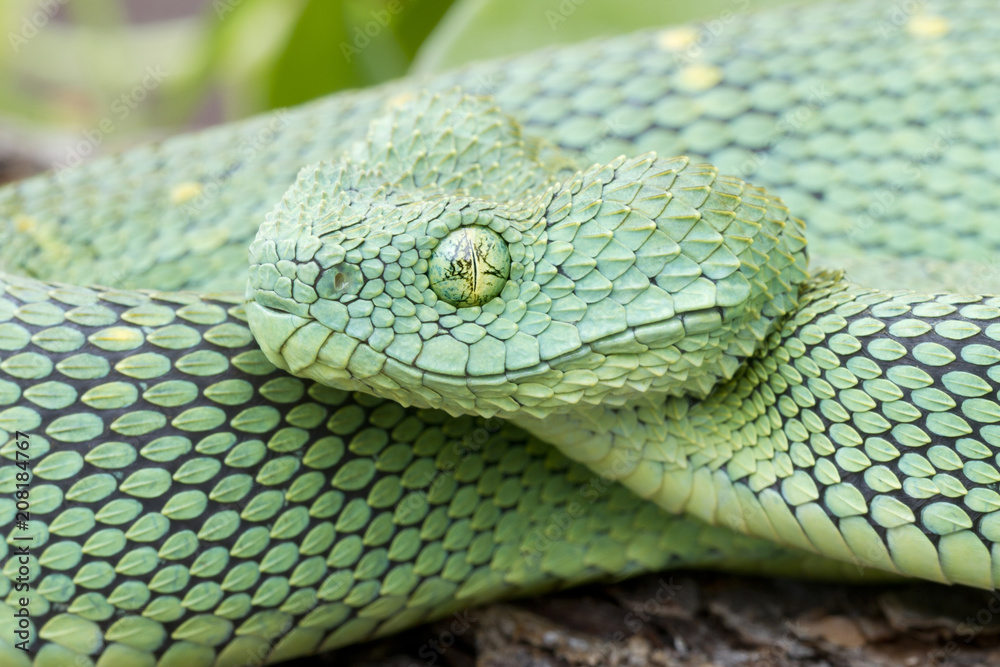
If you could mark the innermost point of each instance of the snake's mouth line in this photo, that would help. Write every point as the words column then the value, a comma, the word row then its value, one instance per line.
column 449, row 392
column 277, row 353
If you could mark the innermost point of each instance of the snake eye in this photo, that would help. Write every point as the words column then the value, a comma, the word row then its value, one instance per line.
column 469, row 267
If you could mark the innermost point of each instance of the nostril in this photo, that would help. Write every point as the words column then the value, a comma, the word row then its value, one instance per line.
column 339, row 280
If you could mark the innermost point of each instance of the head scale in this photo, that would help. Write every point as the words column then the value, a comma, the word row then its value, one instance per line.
column 449, row 262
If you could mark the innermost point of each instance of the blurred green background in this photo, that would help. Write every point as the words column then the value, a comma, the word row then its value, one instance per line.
column 124, row 71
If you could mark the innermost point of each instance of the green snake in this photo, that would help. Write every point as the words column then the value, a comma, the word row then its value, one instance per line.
column 496, row 339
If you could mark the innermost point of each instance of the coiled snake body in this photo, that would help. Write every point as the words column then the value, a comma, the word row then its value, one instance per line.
column 517, row 369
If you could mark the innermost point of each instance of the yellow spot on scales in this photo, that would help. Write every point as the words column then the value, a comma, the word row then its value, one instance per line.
column 117, row 338
column 698, row 77
column 23, row 223
column 185, row 192
column 50, row 248
column 400, row 100
column 928, row 25
column 676, row 39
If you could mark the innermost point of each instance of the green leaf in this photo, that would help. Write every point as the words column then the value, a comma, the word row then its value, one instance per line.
column 339, row 44
column 480, row 29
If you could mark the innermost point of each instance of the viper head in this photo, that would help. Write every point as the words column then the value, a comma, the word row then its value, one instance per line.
column 448, row 262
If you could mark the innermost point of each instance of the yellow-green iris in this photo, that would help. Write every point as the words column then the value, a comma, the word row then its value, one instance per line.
column 469, row 267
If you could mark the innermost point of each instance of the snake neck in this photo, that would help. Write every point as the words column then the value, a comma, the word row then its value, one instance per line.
column 682, row 428
column 865, row 431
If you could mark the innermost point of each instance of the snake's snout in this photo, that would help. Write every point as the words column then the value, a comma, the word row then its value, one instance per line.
column 290, row 270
